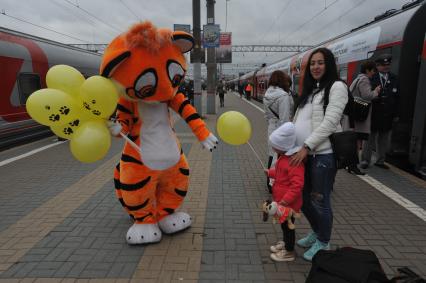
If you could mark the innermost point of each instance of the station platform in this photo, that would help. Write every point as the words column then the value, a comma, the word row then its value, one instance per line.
column 61, row 221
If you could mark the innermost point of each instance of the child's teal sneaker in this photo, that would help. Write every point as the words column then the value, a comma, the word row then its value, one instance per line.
column 307, row 241
column 318, row 245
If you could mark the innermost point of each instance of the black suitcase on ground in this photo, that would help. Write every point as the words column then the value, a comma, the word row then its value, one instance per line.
column 346, row 265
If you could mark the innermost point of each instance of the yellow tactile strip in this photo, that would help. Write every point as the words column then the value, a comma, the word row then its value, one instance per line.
column 177, row 258
column 20, row 237
column 419, row 182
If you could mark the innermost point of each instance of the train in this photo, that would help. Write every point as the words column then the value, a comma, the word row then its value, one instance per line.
column 24, row 62
column 401, row 33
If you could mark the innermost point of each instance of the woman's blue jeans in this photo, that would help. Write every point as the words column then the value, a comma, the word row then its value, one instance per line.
column 320, row 172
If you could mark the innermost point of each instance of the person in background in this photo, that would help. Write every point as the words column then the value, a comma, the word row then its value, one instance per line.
column 384, row 112
column 288, row 185
column 361, row 87
column 315, row 120
column 278, row 106
column 220, row 89
column 190, row 91
column 248, row 90
column 240, row 90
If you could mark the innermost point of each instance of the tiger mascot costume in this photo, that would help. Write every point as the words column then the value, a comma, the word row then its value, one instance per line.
column 151, row 180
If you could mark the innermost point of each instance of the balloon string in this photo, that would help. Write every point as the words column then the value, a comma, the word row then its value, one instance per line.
column 255, row 153
column 135, row 146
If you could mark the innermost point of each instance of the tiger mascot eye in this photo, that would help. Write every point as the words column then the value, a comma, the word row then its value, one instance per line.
column 151, row 180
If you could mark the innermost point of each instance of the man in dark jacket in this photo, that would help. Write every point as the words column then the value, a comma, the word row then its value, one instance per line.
column 384, row 112
column 221, row 91
column 190, row 91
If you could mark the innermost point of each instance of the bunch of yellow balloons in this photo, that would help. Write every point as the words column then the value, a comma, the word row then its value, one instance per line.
column 233, row 128
column 76, row 108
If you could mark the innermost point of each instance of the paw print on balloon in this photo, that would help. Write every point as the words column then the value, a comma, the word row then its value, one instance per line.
column 64, row 110
column 68, row 131
column 76, row 108
column 54, row 117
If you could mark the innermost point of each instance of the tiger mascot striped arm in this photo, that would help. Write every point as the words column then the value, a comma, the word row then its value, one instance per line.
column 152, row 178
column 183, row 107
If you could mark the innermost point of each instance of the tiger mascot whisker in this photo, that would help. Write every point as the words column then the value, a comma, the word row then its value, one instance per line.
column 147, row 66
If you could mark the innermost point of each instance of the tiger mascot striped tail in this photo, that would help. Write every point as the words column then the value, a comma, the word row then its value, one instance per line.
column 151, row 180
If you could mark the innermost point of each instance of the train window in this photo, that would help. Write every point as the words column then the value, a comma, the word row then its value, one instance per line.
column 27, row 84
column 296, row 84
column 343, row 73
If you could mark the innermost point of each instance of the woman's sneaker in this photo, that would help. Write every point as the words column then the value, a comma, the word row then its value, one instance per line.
column 317, row 246
column 283, row 255
column 307, row 241
column 278, row 247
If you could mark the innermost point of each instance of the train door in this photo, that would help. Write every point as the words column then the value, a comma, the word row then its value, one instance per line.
column 295, row 85
column 27, row 84
column 412, row 86
column 256, row 86
column 417, row 155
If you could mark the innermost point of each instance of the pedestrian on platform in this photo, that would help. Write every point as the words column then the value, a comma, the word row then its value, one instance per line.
column 361, row 88
column 384, row 112
column 248, row 90
column 287, row 188
column 240, row 90
column 190, row 91
column 220, row 90
column 278, row 105
column 315, row 120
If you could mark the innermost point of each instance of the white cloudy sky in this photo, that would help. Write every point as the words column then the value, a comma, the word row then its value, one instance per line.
column 250, row 21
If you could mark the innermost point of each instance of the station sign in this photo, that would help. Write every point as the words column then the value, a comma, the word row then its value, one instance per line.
column 181, row 27
column 224, row 52
column 211, row 36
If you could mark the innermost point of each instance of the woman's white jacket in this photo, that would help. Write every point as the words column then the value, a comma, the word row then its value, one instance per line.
column 325, row 125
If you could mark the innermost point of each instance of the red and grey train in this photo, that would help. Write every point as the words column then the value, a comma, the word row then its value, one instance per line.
column 24, row 62
column 401, row 33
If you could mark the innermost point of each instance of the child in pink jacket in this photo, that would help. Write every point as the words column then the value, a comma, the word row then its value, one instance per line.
column 287, row 188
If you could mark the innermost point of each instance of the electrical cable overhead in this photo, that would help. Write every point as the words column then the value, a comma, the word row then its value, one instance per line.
column 276, row 19
column 273, row 24
column 130, row 10
column 87, row 12
column 310, row 20
column 72, row 12
column 28, row 22
column 318, row 31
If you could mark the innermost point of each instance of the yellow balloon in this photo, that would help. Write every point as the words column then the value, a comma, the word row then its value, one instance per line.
column 52, row 107
column 99, row 96
column 233, row 128
column 91, row 141
column 67, row 130
column 65, row 78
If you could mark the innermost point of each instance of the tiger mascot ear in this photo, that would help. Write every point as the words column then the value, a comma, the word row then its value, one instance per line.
column 115, row 54
column 183, row 40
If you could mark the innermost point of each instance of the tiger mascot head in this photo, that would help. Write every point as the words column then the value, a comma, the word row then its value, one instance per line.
column 147, row 63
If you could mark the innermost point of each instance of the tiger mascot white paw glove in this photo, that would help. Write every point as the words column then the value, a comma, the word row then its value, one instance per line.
column 210, row 142
column 114, row 128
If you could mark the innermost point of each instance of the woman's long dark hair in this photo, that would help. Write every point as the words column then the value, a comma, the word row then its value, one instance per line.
column 326, row 81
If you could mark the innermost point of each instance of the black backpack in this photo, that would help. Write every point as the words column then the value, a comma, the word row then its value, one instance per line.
column 348, row 111
column 346, row 265
column 350, row 265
